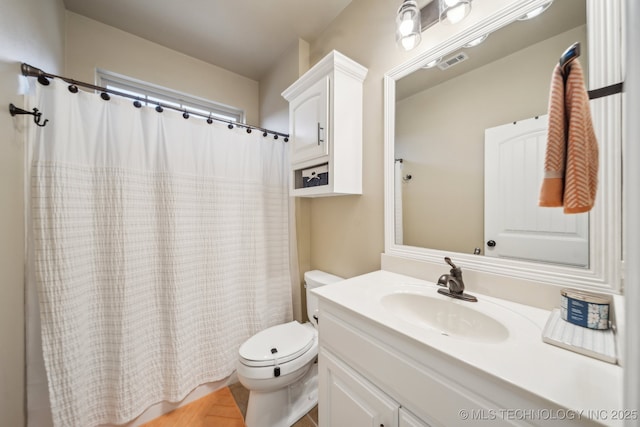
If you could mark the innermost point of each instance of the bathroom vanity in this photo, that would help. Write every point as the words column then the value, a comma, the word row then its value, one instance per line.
column 394, row 352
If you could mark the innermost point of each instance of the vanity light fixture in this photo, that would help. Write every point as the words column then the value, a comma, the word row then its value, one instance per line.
column 454, row 11
column 535, row 12
column 408, row 27
column 475, row 42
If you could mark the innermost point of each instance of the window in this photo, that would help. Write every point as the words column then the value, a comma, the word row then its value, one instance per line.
column 154, row 94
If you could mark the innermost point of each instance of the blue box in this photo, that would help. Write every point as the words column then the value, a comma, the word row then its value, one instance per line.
column 584, row 309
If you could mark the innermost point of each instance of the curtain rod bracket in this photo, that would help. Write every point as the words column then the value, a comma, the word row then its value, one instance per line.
column 37, row 115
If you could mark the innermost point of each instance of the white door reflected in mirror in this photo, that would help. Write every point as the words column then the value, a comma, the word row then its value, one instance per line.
column 518, row 227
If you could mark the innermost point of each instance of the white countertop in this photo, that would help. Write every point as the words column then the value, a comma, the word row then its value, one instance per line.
column 570, row 380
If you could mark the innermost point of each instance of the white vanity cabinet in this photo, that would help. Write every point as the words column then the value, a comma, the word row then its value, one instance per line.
column 351, row 400
column 346, row 396
column 407, row 419
column 371, row 375
column 325, row 128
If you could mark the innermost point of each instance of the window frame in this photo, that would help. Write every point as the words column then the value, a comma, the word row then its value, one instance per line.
column 152, row 94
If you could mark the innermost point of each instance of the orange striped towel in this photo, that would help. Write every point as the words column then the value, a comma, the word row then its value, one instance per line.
column 571, row 161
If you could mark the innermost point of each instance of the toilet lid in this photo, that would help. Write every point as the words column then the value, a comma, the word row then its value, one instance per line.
column 281, row 343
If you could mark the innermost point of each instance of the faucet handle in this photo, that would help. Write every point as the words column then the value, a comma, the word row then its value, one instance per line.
column 448, row 261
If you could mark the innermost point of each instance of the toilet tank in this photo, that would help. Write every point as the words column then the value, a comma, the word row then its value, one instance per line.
column 312, row 280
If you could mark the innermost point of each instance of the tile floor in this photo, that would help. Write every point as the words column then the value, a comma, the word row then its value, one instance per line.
column 241, row 396
column 217, row 409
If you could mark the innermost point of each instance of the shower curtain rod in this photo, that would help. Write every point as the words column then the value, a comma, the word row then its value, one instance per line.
column 43, row 79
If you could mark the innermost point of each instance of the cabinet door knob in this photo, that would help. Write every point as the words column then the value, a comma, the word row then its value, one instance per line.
column 491, row 243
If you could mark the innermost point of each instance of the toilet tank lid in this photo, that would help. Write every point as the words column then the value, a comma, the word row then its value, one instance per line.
column 316, row 278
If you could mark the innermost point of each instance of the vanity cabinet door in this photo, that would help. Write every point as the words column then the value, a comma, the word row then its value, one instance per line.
column 407, row 419
column 309, row 123
column 348, row 399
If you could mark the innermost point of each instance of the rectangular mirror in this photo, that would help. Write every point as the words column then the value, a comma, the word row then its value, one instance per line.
column 452, row 185
column 460, row 186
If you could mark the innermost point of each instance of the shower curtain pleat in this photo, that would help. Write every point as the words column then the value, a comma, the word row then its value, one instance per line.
column 397, row 203
column 160, row 245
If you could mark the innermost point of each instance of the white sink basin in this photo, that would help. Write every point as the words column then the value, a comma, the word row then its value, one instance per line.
column 450, row 317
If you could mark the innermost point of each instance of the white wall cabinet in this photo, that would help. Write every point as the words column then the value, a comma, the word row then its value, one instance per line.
column 325, row 128
column 309, row 115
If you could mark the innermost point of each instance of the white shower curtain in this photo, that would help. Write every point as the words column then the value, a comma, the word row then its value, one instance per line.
column 160, row 244
column 397, row 202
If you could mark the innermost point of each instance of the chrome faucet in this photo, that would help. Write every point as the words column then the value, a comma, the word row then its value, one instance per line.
column 454, row 283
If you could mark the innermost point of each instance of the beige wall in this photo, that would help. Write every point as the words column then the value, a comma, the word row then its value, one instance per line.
column 274, row 109
column 91, row 45
column 346, row 233
column 31, row 31
column 443, row 203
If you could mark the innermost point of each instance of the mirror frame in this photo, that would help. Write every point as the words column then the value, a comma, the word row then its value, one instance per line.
column 605, row 222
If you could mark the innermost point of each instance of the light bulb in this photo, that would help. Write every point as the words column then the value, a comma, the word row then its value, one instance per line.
column 406, row 26
column 457, row 13
column 432, row 63
column 454, row 11
column 477, row 41
column 535, row 12
column 409, row 42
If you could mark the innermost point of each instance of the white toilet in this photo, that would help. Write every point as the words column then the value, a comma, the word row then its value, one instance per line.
column 278, row 366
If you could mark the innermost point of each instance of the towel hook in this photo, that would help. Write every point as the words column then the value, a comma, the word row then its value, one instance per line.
column 568, row 56
column 37, row 116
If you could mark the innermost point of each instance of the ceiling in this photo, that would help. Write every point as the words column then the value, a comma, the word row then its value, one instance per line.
column 242, row 36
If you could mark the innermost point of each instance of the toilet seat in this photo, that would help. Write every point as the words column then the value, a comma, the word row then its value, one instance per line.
column 277, row 345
